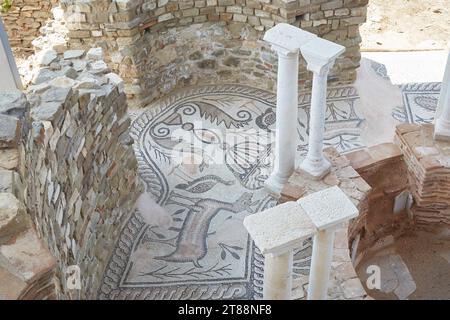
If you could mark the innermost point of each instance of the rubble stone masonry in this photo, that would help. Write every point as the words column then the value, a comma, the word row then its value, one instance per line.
column 70, row 132
column 159, row 45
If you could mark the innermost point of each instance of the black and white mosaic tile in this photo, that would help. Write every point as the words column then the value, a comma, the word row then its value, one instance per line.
column 207, row 253
column 419, row 102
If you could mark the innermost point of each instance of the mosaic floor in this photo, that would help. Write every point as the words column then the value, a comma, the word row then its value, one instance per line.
column 206, row 253
column 419, row 102
column 228, row 131
column 419, row 99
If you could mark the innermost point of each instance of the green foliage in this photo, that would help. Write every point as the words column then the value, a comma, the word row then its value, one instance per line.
column 5, row 5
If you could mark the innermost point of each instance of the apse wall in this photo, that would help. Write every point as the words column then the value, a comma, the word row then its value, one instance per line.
column 159, row 46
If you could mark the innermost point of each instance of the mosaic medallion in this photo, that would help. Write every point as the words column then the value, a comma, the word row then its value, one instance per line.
column 204, row 154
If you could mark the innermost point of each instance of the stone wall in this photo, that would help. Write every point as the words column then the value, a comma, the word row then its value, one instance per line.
column 132, row 32
column 23, row 21
column 82, row 170
column 26, row 265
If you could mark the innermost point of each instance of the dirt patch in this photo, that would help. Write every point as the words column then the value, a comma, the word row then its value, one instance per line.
column 414, row 266
column 406, row 25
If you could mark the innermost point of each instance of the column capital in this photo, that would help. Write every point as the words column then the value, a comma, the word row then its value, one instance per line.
column 320, row 55
column 286, row 39
column 283, row 52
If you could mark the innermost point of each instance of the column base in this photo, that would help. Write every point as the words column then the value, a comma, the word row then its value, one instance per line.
column 275, row 184
column 442, row 130
column 316, row 170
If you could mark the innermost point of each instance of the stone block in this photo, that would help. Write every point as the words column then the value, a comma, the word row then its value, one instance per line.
column 9, row 159
column 328, row 208
column 279, row 229
column 10, row 131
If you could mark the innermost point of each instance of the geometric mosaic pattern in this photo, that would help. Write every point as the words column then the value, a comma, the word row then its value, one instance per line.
column 207, row 253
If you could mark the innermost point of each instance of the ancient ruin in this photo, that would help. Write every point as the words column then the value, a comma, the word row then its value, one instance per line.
column 215, row 149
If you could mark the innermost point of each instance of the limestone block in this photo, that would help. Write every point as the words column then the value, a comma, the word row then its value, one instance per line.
column 95, row 54
column 47, row 111
column 27, row 257
column 13, row 104
column 13, row 217
column 9, row 159
column 279, row 229
column 73, row 54
column 9, row 131
column 44, row 58
column 328, row 208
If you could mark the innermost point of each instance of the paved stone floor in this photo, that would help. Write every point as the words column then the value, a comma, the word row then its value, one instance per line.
column 227, row 130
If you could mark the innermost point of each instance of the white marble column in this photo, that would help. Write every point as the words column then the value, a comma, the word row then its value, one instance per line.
column 327, row 209
column 286, row 40
column 320, row 55
column 442, row 123
column 9, row 76
column 286, row 123
column 278, row 276
column 277, row 232
column 321, row 265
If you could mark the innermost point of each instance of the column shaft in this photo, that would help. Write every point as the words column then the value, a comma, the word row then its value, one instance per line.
column 315, row 163
column 322, row 256
column 278, row 276
column 286, row 122
column 317, row 121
